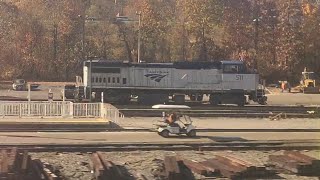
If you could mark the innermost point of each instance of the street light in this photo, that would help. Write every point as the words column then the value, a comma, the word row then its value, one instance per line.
column 139, row 35
column 125, row 19
column 256, row 38
column 84, row 56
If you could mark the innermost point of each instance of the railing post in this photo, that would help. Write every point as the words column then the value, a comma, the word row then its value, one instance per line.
column 71, row 109
column 45, row 109
column 20, row 110
column 102, row 110
column 86, row 109
column 2, row 109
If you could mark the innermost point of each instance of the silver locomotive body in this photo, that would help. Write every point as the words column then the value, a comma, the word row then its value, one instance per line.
column 222, row 81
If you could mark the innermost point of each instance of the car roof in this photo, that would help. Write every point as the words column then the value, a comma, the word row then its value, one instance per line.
column 164, row 106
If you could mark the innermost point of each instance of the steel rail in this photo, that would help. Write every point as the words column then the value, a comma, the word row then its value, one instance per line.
column 104, row 129
column 217, row 113
column 235, row 146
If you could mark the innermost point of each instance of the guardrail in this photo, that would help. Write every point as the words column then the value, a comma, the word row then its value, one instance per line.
column 46, row 109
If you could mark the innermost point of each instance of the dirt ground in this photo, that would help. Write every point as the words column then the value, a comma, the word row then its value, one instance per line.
column 76, row 166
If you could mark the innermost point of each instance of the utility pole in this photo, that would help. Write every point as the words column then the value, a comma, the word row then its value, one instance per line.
column 274, row 21
column 256, row 36
column 139, row 35
column 90, row 80
column 83, row 36
column 55, row 41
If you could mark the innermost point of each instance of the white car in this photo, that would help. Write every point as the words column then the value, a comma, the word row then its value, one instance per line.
column 19, row 85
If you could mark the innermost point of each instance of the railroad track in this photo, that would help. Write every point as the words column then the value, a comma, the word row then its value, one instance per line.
column 202, row 110
column 169, row 146
column 99, row 128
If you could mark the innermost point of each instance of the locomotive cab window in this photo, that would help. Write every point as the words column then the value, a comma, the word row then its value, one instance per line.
column 233, row 68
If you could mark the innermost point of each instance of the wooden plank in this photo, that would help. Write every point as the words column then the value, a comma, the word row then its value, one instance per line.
column 112, row 171
column 13, row 158
column 301, row 157
column 233, row 162
column 197, row 167
column 4, row 169
column 25, row 161
column 283, row 162
column 171, row 168
column 223, row 169
column 248, row 169
column 37, row 171
column 98, row 168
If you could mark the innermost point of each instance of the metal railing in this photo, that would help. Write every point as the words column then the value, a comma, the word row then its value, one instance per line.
column 108, row 111
column 86, row 109
column 58, row 109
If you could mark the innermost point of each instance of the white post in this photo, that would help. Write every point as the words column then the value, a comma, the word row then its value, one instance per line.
column 86, row 109
column 102, row 109
column 20, row 110
column 29, row 92
column 29, row 98
column 102, row 97
column 45, row 109
column 71, row 109
column 64, row 95
column 139, row 35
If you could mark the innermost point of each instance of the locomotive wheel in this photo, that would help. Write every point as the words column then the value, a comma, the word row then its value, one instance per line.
column 192, row 97
column 199, row 97
column 241, row 101
column 214, row 100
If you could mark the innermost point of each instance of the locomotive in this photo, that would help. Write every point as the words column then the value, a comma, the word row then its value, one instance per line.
column 224, row 82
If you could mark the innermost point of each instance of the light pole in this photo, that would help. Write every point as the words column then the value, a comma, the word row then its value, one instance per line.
column 83, row 18
column 125, row 19
column 256, row 38
column 84, row 54
column 273, row 19
column 139, row 35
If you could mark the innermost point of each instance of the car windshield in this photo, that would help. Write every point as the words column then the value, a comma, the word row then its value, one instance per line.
column 19, row 81
column 69, row 87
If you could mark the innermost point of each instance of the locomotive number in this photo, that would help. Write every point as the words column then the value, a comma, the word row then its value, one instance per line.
column 239, row 77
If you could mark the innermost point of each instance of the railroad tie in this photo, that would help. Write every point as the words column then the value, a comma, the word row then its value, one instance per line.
column 172, row 169
column 235, row 168
column 15, row 165
column 296, row 162
column 104, row 169
column 197, row 167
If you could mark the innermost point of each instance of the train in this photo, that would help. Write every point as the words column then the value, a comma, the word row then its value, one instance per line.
column 224, row 82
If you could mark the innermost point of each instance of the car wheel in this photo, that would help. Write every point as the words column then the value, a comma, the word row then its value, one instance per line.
column 165, row 133
column 192, row 133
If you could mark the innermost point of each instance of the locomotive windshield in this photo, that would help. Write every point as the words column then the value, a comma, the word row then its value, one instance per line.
column 233, row 68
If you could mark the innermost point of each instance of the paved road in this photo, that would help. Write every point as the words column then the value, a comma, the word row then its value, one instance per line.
column 144, row 137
